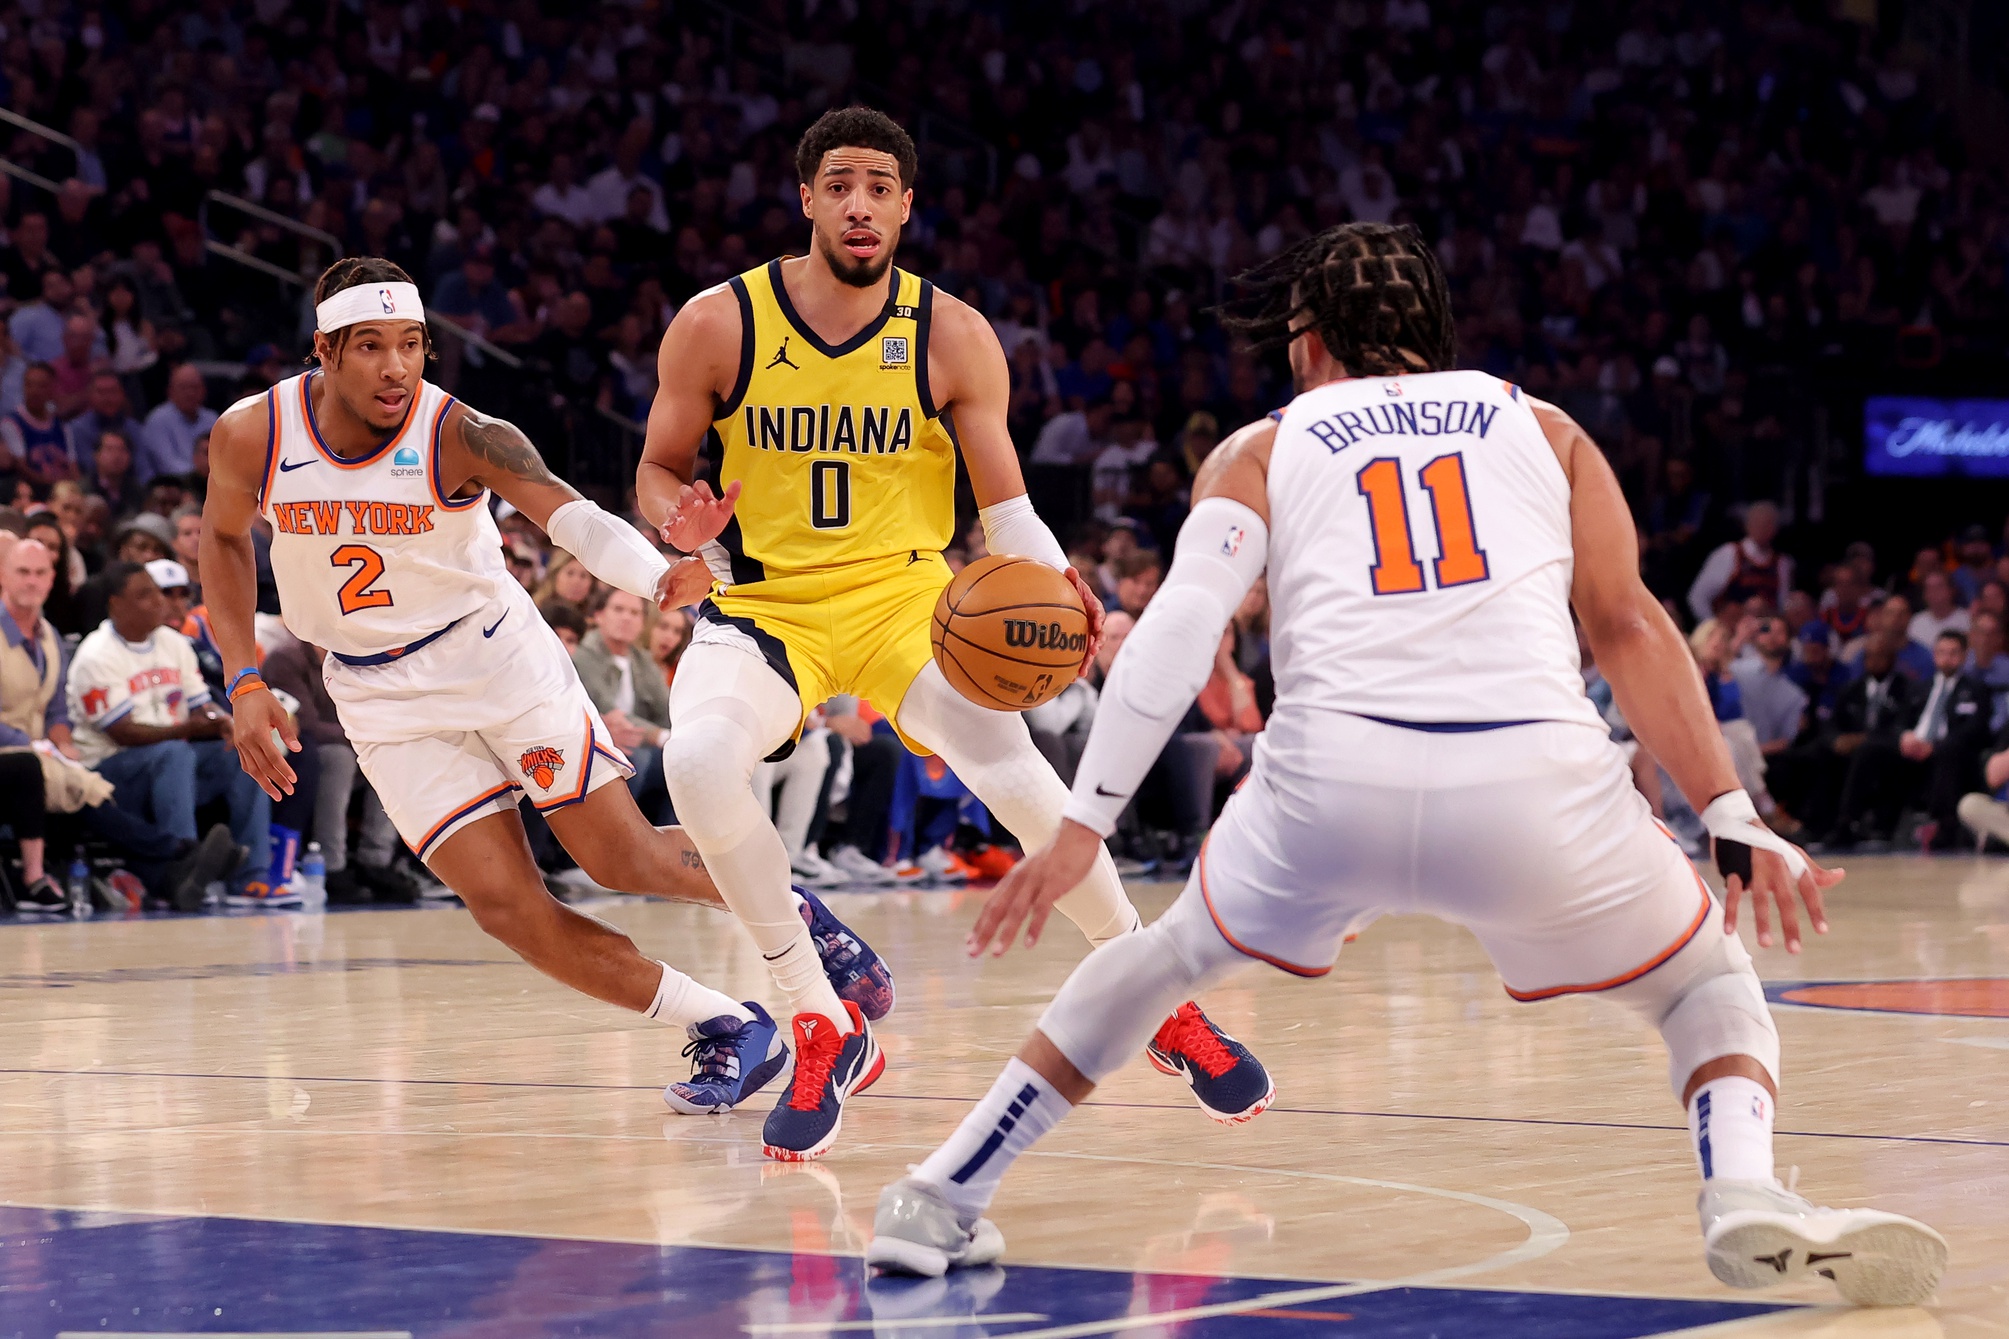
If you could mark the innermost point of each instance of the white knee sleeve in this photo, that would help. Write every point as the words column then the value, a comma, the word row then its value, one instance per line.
column 1708, row 1003
column 728, row 710
column 993, row 754
column 1121, row 993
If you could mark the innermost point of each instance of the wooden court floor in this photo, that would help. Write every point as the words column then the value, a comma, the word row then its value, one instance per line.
column 397, row 1070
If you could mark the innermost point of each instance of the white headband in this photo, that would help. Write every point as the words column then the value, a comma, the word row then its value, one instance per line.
column 370, row 302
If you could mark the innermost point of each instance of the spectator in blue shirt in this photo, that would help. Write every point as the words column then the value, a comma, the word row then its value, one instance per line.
column 1818, row 673
column 167, row 443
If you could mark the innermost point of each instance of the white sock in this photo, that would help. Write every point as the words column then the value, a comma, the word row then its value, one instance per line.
column 681, row 1001
column 1020, row 1107
column 1730, row 1122
column 753, row 879
column 799, row 972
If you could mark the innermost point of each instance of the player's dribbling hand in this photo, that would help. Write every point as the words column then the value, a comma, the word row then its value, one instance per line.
column 1025, row 897
column 700, row 516
column 254, row 717
column 688, row 581
column 1093, row 605
column 1771, row 884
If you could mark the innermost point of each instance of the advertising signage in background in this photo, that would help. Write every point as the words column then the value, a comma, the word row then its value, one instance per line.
column 1929, row 438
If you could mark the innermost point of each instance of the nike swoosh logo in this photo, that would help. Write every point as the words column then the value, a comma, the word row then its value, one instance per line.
column 1112, row 794
column 489, row 631
column 288, row 466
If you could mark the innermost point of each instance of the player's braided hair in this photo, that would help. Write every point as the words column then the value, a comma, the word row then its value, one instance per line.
column 354, row 272
column 1373, row 291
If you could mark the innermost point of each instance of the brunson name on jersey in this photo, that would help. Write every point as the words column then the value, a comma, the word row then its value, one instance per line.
column 364, row 518
column 863, row 431
column 1416, row 418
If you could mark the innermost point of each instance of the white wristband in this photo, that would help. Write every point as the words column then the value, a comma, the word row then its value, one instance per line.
column 1733, row 821
column 609, row 547
column 1013, row 527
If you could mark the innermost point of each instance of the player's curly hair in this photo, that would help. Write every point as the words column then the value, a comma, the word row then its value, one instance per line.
column 855, row 128
column 354, row 272
column 1373, row 291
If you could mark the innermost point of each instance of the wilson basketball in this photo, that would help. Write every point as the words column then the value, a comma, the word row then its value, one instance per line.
column 1010, row 632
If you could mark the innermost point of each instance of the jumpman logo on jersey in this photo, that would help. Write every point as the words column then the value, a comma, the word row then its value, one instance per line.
column 781, row 358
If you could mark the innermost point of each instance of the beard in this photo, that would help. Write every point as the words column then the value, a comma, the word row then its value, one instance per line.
column 852, row 271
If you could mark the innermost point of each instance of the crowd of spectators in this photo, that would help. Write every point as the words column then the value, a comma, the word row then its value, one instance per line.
column 1685, row 224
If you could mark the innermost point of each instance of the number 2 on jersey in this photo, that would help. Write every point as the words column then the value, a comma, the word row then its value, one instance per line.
column 356, row 594
column 1459, row 562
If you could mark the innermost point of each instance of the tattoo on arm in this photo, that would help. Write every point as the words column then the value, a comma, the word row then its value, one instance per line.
column 501, row 444
column 692, row 860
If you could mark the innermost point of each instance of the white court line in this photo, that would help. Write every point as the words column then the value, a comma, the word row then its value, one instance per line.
column 1992, row 1043
column 1546, row 1234
column 913, row 1323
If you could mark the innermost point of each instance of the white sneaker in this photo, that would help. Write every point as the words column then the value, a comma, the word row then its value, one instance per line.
column 812, row 869
column 916, row 1231
column 859, row 867
column 936, row 864
column 1758, row 1233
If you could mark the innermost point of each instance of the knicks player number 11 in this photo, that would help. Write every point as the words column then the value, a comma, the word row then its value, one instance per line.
column 1459, row 562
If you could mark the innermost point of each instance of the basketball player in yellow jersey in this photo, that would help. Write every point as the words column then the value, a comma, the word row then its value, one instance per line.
column 840, row 389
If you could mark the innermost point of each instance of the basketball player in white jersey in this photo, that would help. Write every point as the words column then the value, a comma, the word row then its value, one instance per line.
column 456, row 695
column 1426, row 534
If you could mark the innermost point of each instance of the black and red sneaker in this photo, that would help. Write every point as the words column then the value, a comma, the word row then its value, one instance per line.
column 1228, row 1082
column 829, row 1067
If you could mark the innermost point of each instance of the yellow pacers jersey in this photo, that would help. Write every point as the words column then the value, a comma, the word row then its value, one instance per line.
column 841, row 452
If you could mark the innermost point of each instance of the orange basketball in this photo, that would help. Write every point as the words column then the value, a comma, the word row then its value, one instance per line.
column 1010, row 632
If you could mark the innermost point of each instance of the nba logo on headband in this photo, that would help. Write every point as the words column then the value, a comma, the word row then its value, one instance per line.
column 398, row 301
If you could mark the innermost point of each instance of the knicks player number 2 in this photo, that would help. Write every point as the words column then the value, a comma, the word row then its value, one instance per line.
column 357, row 593
column 1460, row 561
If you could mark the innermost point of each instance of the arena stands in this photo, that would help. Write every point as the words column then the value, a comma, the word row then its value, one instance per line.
column 1705, row 230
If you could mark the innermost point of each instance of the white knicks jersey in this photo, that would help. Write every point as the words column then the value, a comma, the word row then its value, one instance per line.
column 369, row 553
column 1420, row 556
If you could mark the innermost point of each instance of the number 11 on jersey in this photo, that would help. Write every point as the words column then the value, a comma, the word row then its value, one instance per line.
column 1459, row 562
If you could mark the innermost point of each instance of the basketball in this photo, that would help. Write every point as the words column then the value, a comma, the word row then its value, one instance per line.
column 1010, row 632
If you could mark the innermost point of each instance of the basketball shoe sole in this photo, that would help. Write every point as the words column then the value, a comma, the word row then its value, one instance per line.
column 1757, row 1235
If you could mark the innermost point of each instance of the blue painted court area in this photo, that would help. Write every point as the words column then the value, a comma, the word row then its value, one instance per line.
column 64, row 1273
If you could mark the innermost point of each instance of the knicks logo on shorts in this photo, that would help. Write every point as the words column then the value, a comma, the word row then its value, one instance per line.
column 542, row 765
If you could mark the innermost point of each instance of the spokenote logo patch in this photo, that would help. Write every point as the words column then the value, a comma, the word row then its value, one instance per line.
column 405, row 463
column 893, row 351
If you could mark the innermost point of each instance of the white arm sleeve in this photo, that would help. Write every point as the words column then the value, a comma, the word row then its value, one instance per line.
column 1166, row 659
column 1012, row 526
column 610, row 548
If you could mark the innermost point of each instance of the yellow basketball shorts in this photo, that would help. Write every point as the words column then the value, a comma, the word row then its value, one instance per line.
column 860, row 628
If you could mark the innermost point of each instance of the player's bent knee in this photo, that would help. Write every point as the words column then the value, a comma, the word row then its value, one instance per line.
column 707, row 766
column 1123, row 991
column 1707, row 1003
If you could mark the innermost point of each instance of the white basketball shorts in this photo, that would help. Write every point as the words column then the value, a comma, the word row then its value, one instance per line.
column 1532, row 836
column 460, row 727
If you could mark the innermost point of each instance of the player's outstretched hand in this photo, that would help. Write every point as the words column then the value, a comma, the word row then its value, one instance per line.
column 687, row 582
column 1769, row 878
column 700, row 516
column 1093, row 605
column 1026, row 896
column 253, row 718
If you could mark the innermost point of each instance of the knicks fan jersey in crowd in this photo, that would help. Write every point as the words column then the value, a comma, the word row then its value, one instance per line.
column 840, row 448
column 369, row 553
column 1420, row 555
column 155, row 682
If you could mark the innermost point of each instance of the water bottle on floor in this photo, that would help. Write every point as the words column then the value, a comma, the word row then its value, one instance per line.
column 78, row 886
column 313, row 879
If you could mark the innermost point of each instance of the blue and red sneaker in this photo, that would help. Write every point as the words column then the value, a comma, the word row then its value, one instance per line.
column 1228, row 1082
column 856, row 973
column 731, row 1060
column 829, row 1067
